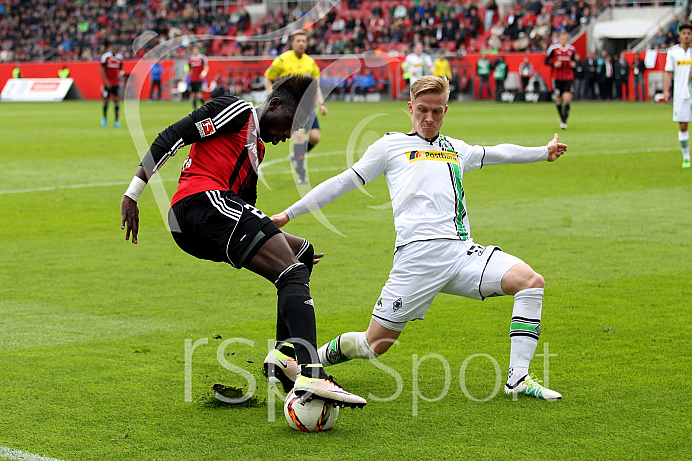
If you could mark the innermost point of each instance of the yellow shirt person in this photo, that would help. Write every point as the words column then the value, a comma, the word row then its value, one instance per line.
column 290, row 64
column 297, row 62
column 442, row 67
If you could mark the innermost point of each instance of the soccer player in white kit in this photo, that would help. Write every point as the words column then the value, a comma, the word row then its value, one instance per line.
column 419, row 63
column 678, row 64
column 434, row 250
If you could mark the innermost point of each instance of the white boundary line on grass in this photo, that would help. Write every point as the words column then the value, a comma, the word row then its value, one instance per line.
column 269, row 163
column 124, row 183
column 72, row 186
column 19, row 455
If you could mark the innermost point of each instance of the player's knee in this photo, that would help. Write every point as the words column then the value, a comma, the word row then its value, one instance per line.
column 306, row 255
column 381, row 346
column 314, row 137
column 535, row 280
column 521, row 277
column 295, row 274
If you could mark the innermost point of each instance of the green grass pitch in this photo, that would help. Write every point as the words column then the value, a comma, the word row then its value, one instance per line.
column 93, row 329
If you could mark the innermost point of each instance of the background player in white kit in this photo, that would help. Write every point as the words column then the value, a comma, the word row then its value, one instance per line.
column 434, row 250
column 418, row 63
column 678, row 64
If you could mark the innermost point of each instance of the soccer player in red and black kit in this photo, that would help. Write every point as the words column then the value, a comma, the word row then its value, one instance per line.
column 111, row 73
column 213, row 215
column 561, row 58
column 198, row 68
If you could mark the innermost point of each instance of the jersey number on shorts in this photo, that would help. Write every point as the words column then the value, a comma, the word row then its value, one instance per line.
column 254, row 211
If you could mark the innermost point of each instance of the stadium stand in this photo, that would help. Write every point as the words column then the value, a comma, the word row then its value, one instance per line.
column 34, row 30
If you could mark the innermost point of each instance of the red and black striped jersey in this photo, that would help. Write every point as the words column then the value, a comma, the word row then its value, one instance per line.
column 196, row 65
column 565, row 55
column 112, row 65
column 226, row 149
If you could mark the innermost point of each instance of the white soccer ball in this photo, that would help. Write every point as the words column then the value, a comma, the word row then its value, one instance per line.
column 313, row 415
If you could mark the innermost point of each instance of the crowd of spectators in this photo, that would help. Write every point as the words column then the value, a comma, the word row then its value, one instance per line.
column 34, row 30
column 393, row 26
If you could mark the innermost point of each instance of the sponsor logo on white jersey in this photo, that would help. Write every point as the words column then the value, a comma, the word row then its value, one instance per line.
column 416, row 155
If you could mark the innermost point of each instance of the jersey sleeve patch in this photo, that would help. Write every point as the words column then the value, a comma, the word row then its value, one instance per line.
column 205, row 127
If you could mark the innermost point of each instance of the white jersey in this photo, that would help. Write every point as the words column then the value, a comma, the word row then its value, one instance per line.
column 425, row 183
column 424, row 179
column 679, row 61
column 418, row 65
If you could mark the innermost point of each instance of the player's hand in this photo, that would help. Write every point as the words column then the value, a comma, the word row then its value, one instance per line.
column 281, row 219
column 555, row 149
column 317, row 257
column 129, row 213
column 558, row 64
column 323, row 109
column 666, row 96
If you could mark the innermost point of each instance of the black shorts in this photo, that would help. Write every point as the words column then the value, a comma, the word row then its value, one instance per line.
column 195, row 87
column 564, row 86
column 113, row 91
column 217, row 225
column 315, row 123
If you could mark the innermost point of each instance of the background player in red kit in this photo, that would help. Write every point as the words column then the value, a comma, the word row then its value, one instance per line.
column 198, row 68
column 111, row 73
column 561, row 58
column 213, row 216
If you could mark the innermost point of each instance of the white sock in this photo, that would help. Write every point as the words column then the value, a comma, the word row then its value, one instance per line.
column 684, row 138
column 524, row 331
column 345, row 347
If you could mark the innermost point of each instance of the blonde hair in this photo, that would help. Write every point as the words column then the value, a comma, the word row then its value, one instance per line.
column 298, row 32
column 430, row 84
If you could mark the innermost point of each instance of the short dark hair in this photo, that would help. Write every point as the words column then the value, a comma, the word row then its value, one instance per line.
column 298, row 92
column 684, row 25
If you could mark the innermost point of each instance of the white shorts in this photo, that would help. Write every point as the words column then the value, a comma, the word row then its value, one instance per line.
column 423, row 269
column 681, row 110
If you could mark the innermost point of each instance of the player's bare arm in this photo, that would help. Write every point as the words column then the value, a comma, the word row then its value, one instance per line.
column 106, row 83
column 268, row 84
column 320, row 99
column 668, row 82
column 129, row 211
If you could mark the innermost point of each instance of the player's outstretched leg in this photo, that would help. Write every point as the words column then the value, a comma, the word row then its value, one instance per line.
column 358, row 345
column 524, row 332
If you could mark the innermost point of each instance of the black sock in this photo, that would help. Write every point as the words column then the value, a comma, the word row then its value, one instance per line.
column 566, row 112
column 298, row 314
column 299, row 150
column 105, row 109
column 194, row 103
column 282, row 334
column 310, row 146
column 559, row 111
column 117, row 110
